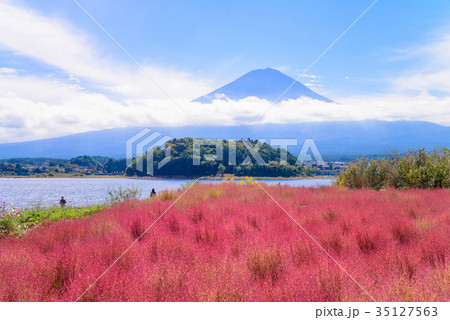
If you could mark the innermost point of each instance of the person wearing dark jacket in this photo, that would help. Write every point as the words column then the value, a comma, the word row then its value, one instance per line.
column 153, row 193
column 62, row 202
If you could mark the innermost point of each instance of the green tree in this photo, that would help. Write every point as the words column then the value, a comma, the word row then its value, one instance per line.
column 221, row 169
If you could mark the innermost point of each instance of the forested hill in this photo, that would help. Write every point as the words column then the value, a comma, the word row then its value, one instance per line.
column 182, row 162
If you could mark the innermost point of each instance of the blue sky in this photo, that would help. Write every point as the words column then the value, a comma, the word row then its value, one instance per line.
column 191, row 47
column 222, row 40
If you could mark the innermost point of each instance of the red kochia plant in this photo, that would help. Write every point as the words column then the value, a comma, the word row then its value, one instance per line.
column 265, row 263
column 229, row 242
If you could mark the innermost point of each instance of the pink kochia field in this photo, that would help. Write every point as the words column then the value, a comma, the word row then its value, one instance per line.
column 230, row 242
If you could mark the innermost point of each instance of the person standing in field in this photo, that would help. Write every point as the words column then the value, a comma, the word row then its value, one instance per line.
column 153, row 193
column 62, row 202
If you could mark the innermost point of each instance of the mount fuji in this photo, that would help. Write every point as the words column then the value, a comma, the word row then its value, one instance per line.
column 266, row 84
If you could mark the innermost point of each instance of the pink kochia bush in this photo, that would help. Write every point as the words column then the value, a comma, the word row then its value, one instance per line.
column 230, row 242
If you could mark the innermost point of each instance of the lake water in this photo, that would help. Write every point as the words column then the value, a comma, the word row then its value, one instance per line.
column 29, row 192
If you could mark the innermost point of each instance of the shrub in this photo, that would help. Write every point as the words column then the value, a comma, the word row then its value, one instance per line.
column 120, row 194
column 403, row 232
column 415, row 169
column 168, row 195
column 331, row 215
column 137, row 228
column 265, row 264
column 302, row 253
column 366, row 242
column 8, row 217
column 333, row 242
column 331, row 285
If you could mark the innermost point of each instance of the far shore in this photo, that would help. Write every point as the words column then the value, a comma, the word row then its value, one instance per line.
column 165, row 178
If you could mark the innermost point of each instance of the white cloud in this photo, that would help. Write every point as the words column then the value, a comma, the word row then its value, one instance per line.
column 7, row 71
column 438, row 80
column 31, row 34
column 54, row 42
column 313, row 84
column 309, row 76
column 73, row 78
column 434, row 56
column 56, row 109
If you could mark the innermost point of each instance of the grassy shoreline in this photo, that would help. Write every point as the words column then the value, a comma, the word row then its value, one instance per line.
column 25, row 219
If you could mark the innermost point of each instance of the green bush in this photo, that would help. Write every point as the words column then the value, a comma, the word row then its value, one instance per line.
column 38, row 214
column 7, row 226
column 415, row 169
column 120, row 194
column 16, row 223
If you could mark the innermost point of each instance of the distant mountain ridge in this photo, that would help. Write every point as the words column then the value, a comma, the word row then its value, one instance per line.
column 332, row 138
column 266, row 84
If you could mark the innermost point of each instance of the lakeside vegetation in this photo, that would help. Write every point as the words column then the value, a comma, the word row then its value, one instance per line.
column 231, row 242
column 415, row 169
column 47, row 167
column 180, row 165
column 15, row 222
